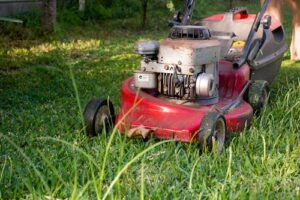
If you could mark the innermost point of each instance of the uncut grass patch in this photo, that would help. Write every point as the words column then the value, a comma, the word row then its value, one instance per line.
column 44, row 153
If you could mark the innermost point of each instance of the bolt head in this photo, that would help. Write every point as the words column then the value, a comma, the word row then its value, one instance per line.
column 179, row 69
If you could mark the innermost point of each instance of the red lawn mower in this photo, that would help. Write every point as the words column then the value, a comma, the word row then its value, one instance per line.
column 202, row 83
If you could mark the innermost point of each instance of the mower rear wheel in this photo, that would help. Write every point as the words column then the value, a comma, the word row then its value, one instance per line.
column 99, row 115
column 258, row 96
column 212, row 132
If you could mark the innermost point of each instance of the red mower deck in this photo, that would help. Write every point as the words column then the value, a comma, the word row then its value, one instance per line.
column 169, row 120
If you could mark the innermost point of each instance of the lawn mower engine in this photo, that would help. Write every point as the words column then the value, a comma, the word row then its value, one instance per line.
column 183, row 67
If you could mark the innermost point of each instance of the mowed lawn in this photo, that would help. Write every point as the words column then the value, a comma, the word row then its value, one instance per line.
column 44, row 154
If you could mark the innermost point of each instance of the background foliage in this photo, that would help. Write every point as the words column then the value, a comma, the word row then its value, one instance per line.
column 116, row 14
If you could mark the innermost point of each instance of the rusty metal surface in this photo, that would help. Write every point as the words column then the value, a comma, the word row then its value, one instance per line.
column 189, row 43
column 189, row 52
column 139, row 131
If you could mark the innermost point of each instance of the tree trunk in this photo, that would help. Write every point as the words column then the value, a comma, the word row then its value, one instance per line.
column 230, row 4
column 144, row 14
column 81, row 5
column 48, row 16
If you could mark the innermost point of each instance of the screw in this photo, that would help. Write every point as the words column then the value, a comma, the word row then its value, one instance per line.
column 192, row 70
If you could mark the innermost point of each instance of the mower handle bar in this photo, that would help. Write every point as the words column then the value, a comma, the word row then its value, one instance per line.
column 188, row 12
column 253, row 31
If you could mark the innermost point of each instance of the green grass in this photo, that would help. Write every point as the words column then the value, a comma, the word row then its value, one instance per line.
column 45, row 155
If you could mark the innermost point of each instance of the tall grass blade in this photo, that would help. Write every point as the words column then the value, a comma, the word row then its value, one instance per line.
column 28, row 161
column 3, row 168
column 228, row 173
column 73, row 146
column 75, row 186
column 109, row 145
column 192, row 173
column 142, row 181
column 265, row 148
column 51, row 167
column 77, row 98
column 129, row 163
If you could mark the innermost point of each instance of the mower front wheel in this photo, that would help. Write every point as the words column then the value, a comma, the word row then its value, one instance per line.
column 212, row 132
column 99, row 115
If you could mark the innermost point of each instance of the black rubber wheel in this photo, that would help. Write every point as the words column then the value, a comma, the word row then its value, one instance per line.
column 212, row 132
column 258, row 96
column 98, row 115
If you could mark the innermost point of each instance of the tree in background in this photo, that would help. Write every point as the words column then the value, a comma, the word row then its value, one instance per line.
column 48, row 17
column 81, row 5
column 144, row 12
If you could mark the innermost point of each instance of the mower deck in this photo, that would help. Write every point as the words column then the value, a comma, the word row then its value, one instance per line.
column 168, row 120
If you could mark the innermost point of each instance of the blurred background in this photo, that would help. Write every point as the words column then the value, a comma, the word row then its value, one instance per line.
column 129, row 14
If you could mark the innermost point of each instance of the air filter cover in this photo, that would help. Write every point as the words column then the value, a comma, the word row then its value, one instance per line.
column 190, row 33
column 147, row 47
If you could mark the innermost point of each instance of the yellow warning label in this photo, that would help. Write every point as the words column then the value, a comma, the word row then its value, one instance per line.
column 238, row 44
